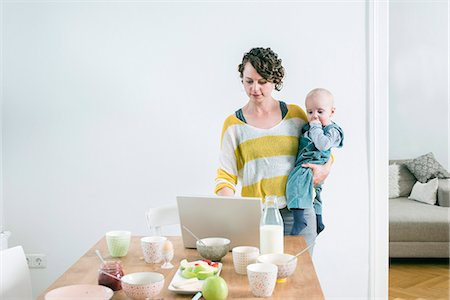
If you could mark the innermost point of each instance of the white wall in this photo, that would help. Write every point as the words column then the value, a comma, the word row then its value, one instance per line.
column 419, row 100
column 112, row 108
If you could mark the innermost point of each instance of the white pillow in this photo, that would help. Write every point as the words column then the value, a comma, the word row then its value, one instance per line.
column 394, row 188
column 425, row 192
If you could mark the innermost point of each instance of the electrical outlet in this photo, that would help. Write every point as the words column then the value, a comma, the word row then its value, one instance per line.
column 36, row 261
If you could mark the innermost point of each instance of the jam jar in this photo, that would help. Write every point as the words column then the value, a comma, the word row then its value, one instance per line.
column 114, row 268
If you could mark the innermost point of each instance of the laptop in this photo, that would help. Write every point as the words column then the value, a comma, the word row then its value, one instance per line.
column 234, row 218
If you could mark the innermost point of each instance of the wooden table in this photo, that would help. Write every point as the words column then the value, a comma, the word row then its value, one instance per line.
column 303, row 284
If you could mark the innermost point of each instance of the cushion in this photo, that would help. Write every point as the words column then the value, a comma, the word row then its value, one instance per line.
column 425, row 192
column 426, row 167
column 444, row 192
column 394, row 189
column 406, row 179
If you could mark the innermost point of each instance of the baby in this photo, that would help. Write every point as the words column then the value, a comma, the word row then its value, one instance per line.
column 318, row 137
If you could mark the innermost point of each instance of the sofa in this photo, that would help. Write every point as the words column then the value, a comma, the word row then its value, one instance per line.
column 417, row 229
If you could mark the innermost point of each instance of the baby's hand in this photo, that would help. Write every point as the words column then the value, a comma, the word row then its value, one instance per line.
column 315, row 122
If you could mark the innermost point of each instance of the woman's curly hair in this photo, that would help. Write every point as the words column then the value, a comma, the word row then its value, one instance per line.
column 266, row 63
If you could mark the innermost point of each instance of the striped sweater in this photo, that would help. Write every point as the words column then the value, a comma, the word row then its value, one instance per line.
column 261, row 159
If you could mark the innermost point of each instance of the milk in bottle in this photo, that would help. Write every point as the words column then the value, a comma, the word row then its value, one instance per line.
column 271, row 228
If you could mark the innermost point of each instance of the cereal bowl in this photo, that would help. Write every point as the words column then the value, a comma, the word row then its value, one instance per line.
column 286, row 265
column 213, row 248
column 142, row 285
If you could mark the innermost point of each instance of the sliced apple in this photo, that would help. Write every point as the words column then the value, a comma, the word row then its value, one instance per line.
column 186, row 273
column 204, row 274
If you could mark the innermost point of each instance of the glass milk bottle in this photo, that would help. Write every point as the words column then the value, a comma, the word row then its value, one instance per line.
column 271, row 236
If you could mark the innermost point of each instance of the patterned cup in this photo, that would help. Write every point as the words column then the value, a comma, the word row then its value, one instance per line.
column 152, row 248
column 262, row 278
column 118, row 242
column 244, row 256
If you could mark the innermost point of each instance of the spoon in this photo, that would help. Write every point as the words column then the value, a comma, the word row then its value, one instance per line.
column 110, row 275
column 301, row 252
column 199, row 240
column 99, row 256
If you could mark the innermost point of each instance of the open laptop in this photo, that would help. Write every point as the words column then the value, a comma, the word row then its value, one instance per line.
column 234, row 218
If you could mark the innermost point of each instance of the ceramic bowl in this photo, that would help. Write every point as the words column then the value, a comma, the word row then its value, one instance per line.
column 286, row 266
column 214, row 248
column 142, row 285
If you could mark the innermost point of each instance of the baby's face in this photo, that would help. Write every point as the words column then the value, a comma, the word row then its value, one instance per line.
column 319, row 107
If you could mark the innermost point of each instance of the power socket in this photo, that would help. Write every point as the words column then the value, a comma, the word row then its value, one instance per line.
column 36, row 261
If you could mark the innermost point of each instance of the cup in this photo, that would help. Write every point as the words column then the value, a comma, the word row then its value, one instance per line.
column 118, row 242
column 244, row 256
column 152, row 248
column 262, row 278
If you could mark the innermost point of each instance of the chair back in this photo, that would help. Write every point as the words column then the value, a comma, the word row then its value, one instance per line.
column 157, row 217
column 15, row 281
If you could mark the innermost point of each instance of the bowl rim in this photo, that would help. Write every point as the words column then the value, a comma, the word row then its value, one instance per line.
column 226, row 242
column 261, row 258
column 124, row 278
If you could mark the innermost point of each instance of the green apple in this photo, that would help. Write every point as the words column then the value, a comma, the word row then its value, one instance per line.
column 215, row 288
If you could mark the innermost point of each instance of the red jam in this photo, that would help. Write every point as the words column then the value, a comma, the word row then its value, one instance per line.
column 114, row 268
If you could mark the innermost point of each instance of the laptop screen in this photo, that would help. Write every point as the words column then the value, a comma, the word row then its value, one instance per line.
column 234, row 218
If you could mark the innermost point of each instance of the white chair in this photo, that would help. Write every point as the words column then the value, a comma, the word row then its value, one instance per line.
column 157, row 217
column 15, row 281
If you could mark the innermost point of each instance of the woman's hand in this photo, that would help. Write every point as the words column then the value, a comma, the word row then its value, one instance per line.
column 225, row 191
column 320, row 172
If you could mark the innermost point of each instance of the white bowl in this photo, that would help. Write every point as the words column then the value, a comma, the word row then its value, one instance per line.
column 213, row 248
column 142, row 285
column 286, row 266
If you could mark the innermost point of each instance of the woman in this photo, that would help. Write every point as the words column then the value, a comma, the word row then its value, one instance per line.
column 260, row 141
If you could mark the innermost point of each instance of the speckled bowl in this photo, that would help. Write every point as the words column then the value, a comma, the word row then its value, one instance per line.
column 142, row 285
column 214, row 248
column 286, row 266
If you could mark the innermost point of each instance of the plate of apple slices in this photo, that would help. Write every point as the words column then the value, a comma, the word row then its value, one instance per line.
column 190, row 276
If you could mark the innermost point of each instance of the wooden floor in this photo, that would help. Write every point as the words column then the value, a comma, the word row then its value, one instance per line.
column 419, row 279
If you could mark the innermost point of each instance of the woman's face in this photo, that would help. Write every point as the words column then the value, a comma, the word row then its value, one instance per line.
column 257, row 88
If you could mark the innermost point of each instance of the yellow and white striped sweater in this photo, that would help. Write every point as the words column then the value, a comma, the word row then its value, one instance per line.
column 260, row 158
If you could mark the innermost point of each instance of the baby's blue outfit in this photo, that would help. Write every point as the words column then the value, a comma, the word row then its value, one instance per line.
column 314, row 147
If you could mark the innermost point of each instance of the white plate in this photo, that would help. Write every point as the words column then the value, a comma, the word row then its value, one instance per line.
column 191, row 288
column 79, row 292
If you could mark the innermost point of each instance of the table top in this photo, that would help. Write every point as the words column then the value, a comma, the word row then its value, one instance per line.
column 303, row 284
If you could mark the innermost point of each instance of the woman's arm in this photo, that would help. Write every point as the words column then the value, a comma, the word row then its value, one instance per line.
column 320, row 172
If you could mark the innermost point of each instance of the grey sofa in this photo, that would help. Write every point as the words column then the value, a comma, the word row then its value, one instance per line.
column 418, row 229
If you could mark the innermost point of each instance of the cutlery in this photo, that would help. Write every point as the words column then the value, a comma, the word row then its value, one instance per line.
column 191, row 233
column 110, row 275
column 301, row 252
column 99, row 256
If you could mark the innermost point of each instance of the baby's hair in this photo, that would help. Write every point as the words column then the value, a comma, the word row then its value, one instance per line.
column 320, row 91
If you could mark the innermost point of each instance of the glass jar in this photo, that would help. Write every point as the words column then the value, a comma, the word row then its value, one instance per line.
column 114, row 268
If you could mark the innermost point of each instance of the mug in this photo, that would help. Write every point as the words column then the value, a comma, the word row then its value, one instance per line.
column 262, row 278
column 118, row 242
column 152, row 248
column 244, row 256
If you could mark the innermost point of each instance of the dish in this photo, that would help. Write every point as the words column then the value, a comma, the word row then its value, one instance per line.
column 79, row 292
column 190, row 286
